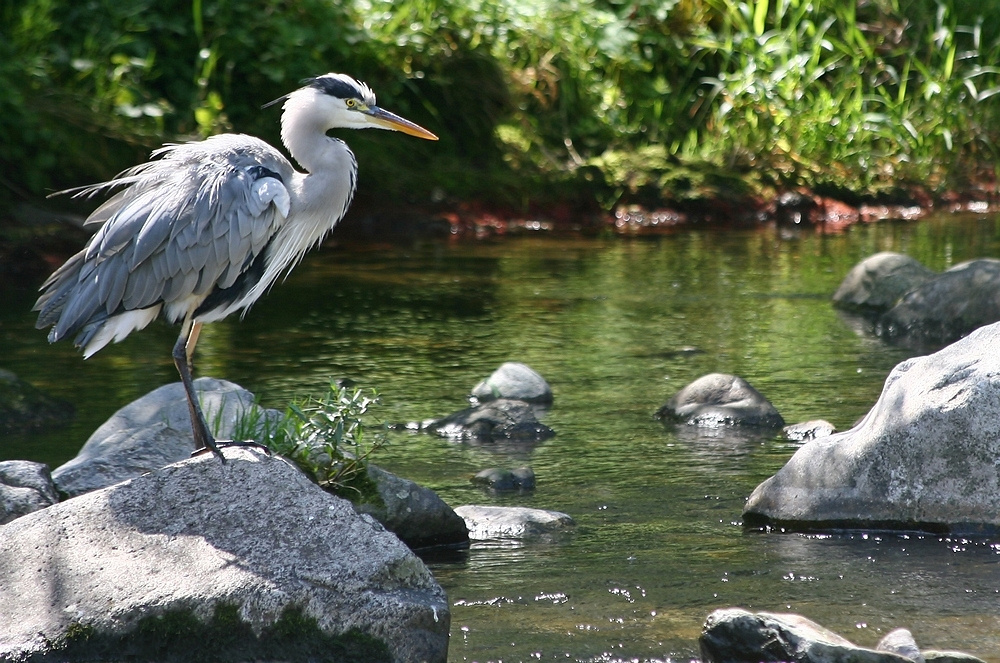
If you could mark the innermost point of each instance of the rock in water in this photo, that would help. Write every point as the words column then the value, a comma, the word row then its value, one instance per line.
column 513, row 380
column 876, row 283
column 925, row 456
column 719, row 400
column 413, row 513
column 900, row 641
column 734, row 635
column 512, row 522
column 808, row 430
column 494, row 421
column 949, row 306
column 201, row 560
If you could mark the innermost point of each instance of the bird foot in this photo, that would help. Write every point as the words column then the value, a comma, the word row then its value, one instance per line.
column 220, row 444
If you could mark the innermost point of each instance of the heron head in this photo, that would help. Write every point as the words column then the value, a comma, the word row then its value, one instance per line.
column 348, row 103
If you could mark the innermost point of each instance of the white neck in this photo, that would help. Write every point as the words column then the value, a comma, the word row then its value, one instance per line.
column 319, row 197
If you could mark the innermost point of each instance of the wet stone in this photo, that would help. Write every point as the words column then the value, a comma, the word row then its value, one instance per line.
column 516, row 381
column 512, row 522
column 720, row 400
column 499, row 480
column 501, row 419
column 808, row 430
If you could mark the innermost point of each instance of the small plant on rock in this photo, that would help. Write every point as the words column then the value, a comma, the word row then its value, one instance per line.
column 326, row 437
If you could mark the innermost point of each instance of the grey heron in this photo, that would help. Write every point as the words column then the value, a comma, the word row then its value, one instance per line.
column 205, row 228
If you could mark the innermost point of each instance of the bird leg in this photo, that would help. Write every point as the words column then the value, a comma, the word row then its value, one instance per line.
column 183, row 351
column 203, row 439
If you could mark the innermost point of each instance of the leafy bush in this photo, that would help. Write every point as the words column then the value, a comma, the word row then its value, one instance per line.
column 532, row 100
column 327, row 437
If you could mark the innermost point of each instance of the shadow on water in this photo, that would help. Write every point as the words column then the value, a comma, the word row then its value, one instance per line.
column 616, row 326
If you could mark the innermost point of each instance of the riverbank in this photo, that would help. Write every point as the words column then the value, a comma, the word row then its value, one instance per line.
column 36, row 237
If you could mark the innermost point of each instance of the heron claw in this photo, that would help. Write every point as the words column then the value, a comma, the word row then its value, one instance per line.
column 219, row 444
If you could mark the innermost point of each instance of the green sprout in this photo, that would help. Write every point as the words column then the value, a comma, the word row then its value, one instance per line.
column 326, row 437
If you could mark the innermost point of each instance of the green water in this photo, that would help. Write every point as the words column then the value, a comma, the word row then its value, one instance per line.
column 659, row 543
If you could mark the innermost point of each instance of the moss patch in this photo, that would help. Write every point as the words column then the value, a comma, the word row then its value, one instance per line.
column 177, row 635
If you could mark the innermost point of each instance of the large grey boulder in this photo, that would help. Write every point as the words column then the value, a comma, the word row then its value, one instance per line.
column 25, row 487
column 879, row 281
column 513, row 380
column 734, row 635
column 926, row 455
column 149, row 433
column 413, row 513
column 512, row 522
column 155, row 431
column 201, row 560
column 951, row 305
column 719, row 400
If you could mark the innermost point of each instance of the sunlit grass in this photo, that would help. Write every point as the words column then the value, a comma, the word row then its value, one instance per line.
column 599, row 102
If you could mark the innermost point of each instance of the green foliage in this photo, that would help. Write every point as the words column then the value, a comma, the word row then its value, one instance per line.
column 327, row 437
column 531, row 99
column 811, row 97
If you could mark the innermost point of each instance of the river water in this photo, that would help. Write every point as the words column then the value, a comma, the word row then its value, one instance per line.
column 616, row 326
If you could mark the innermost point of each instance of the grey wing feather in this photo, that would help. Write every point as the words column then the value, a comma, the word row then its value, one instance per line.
column 187, row 222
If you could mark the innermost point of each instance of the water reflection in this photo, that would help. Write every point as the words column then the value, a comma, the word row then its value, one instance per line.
column 616, row 327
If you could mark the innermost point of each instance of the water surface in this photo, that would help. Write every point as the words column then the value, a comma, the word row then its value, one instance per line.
column 611, row 323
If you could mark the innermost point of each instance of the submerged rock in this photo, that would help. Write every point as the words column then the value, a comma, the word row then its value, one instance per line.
column 924, row 457
column 734, row 635
column 500, row 419
column 25, row 487
column 719, row 400
column 507, row 522
column 521, row 479
column 24, row 408
column 515, row 381
column 246, row 560
column 876, row 283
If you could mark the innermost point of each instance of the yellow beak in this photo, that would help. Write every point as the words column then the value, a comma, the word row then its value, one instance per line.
column 385, row 120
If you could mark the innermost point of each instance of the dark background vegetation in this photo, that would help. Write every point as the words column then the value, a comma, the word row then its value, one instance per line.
column 538, row 103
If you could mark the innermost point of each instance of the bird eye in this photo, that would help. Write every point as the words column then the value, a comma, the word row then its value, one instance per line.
column 351, row 103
